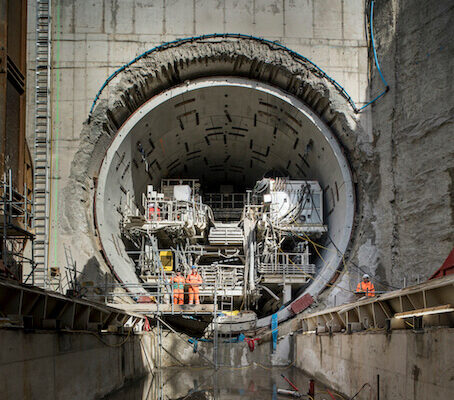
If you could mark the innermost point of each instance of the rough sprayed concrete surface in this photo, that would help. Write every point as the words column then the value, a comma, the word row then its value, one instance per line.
column 411, row 366
column 100, row 35
column 413, row 140
column 49, row 365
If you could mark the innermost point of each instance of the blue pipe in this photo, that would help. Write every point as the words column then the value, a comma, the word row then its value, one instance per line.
column 178, row 42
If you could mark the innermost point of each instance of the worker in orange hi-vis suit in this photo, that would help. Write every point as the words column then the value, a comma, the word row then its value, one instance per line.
column 366, row 287
column 178, row 288
column 194, row 280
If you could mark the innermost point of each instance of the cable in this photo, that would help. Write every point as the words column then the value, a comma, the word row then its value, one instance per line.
column 360, row 390
column 341, row 253
column 260, row 186
column 387, row 88
column 331, row 394
column 327, row 283
column 179, row 42
column 345, row 263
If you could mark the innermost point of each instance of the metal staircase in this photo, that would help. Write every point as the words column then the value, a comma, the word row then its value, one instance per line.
column 227, row 234
column 42, row 156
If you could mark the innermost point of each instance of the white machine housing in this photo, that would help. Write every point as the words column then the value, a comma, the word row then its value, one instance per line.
column 295, row 201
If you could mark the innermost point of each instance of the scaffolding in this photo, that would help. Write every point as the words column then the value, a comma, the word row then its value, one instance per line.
column 16, row 215
column 159, row 305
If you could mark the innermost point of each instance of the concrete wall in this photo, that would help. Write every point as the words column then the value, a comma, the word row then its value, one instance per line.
column 65, row 366
column 175, row 352
column 404, row 165
column 91, row 39
column 411, row 365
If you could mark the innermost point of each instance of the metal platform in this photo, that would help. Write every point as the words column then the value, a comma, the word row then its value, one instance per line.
column 153, row 308
column 432, row 300
column 31, row 307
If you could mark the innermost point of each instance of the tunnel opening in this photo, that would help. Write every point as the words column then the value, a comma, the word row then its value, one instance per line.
column 222, row 137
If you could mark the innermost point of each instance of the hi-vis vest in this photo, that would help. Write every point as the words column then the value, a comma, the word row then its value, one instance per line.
column 194, row 279
column 366, row 287
column 178, row 282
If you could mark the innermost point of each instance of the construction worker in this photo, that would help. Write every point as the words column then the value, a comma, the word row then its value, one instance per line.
column 194, row 280
column 178, row 288
column 366, row 287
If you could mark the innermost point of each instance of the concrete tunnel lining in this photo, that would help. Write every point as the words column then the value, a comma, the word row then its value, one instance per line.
column 275, row 127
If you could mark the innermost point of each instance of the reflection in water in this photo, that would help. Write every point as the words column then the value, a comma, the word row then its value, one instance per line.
column 207, row 384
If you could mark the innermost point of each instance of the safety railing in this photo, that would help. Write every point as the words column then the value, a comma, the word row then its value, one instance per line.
column 225, row 200
column 155, row 293
column 286, row 264
column 161, row 213
column 15, row 206
column 16, row 214
column 229, row 278
column 286, row 269
column 164, row 292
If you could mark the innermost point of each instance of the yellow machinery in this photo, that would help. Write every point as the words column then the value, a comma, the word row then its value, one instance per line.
column 166, row 260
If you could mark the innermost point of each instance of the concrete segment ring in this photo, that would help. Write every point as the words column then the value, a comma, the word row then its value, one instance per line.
column 327, row 272
column 206, row 58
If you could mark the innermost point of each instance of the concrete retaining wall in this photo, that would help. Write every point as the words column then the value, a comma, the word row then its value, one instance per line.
column 65, row 366
column 177, row 353
column 411, row 365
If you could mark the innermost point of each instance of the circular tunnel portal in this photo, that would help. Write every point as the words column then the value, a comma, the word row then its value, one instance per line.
column 224, row 131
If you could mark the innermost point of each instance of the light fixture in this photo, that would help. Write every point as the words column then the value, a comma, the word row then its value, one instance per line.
column 425, row 311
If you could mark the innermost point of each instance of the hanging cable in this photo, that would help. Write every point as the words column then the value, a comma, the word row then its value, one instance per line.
column 377, row 64
column 319, row 71
column 383, row 284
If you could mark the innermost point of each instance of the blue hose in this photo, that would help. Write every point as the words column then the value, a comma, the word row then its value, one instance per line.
column 178, row 42
column 373, row 43
column 377, row 64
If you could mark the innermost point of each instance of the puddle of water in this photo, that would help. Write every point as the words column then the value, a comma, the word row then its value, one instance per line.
column 207, row 384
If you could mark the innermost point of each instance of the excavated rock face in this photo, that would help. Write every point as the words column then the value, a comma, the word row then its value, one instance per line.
column 247, row 58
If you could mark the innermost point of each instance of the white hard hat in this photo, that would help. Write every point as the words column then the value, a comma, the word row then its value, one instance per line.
column 365, row 276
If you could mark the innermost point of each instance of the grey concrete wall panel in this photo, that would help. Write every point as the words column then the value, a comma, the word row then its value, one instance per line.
column 409, row 365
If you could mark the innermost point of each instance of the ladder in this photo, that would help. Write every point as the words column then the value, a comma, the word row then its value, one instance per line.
column 227, row 303
column 42, row 156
